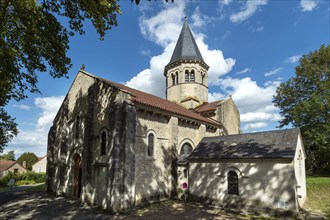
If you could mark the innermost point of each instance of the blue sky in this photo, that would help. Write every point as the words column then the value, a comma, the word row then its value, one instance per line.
column 251, row 46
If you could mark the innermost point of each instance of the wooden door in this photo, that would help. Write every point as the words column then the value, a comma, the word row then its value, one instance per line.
column 77, row 175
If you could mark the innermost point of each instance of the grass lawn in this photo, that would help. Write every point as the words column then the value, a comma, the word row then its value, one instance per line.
column 41, row 187
column 318, row 194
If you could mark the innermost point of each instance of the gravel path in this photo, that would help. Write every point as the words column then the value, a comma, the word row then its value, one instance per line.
column 41, row 205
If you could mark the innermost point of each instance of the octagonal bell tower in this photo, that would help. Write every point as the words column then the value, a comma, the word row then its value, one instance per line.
column 186, row 73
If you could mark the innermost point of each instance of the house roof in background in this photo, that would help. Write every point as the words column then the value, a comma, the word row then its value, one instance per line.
column 6, row 164
column 278, row 144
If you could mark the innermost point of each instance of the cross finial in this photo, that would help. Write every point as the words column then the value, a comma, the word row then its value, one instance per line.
column 82, row 67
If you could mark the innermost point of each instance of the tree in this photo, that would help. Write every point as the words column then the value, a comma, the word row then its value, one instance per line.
column 8, row 156
column 32, row 40
column 304, row 101
column 29, row 158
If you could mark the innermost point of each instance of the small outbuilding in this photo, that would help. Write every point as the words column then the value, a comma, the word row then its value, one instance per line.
column 40, row 165
column 264, row 170
column 12, row 166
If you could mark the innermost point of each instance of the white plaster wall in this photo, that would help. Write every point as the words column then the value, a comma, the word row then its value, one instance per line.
column 40, row 166
column 300, row 172
column 264, row 183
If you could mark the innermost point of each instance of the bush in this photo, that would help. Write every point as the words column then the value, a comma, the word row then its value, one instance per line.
column 4, row 181
column 22, row 178
column 36, row 177
column 24, row 182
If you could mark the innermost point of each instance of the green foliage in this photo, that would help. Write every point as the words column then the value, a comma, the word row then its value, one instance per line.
column 304, row 101
column 29, row 158
column 4, row 181
column 24, row 182
column 33, row 40
column 36, row 177
column 23, row 178
column 8, row 156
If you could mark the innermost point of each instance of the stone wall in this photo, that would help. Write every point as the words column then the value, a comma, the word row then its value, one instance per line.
column 152, row 172
column 106, row 180
column 181, row 91
column 228, row 114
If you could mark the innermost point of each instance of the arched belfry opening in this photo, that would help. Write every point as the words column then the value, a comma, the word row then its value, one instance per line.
column 77, row 172
column 187, row 71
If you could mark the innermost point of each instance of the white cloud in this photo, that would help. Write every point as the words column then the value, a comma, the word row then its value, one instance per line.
column 293, row 59
column 258, row 116
column 259, row 29
column 308, row 5
column 146, row 52
column 248, row 10
column 49, row 107
column 255, row 125
column 164, row 29
column 212, row 97
column 24, row 107
column 36, row 140
column 225, row 2
column 273, row 71
column 246, row 70
column 253, row 101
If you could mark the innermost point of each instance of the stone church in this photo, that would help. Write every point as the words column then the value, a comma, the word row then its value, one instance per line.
column 119, row 148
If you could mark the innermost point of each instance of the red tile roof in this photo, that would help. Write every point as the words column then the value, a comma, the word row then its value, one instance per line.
column 212, row 106
column 149, row 100
column 6, row 164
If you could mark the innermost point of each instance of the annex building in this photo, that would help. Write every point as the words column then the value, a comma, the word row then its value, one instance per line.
column 119, row 148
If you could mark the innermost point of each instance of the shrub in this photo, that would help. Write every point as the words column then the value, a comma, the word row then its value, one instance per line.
column 4, row 181
column 37, row 177
column 24, row 182
column 28, row 177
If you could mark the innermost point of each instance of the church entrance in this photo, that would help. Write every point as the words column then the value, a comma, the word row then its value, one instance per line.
column 77, row 175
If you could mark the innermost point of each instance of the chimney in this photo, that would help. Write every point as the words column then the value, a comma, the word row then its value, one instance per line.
column 24, row 164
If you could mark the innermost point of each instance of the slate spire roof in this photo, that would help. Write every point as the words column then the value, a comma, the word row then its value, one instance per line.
column 186, row 47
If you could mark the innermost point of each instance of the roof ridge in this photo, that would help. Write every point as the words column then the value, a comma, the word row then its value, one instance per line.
column 157, row 102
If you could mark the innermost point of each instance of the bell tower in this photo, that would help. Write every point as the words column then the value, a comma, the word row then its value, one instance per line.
column 186, row 73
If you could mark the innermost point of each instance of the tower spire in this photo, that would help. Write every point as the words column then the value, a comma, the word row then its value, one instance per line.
column 186, row 47
column 186, row 73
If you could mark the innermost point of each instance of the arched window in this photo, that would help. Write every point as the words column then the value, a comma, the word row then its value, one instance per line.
column 192, row 76
column 203, row 76
column 151, row 140
column 77, row 127
column 103, row 143
column 186, row 149
column 176, row 77
column 186, row 76
column 232, row 180
column 173, row 80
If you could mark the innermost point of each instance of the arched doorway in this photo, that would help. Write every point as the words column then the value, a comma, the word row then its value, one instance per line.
column 77, row 175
